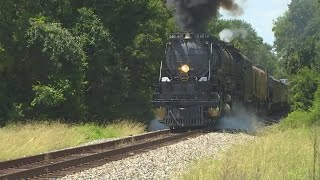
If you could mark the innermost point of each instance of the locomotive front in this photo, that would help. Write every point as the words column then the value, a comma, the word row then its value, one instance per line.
column 187, row 94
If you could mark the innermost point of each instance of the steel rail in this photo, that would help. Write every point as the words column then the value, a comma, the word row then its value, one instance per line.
column 45, row 165
column 82, row 149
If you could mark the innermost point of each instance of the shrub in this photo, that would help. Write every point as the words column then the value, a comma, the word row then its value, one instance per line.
column 302, row 118
column 302, row 89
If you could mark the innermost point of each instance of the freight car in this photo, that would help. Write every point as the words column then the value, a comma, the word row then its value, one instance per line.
column 203, row 78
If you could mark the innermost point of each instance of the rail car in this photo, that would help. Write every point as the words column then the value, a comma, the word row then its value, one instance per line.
column 202, row 78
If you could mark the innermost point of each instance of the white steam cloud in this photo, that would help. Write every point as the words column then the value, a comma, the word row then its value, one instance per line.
column 227, row 35
column 155, row 125
column 241, row 119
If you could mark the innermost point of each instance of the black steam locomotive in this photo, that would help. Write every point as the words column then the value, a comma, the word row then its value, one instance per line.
column 202, row 78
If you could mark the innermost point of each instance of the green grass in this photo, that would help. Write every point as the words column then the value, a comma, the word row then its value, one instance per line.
column 291, row 154
column 277, row 154
column 300, row 119
column 19, row 140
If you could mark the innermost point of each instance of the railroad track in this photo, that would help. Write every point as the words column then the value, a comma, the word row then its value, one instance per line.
column 60, row 163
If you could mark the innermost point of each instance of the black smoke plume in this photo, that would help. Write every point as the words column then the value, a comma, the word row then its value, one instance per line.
column 194, row 15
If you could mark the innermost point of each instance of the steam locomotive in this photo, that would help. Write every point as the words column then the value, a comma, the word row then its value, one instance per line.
column 203, row 78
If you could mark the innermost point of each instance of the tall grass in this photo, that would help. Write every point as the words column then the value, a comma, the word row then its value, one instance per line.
column 277, row 154
column 19, row 140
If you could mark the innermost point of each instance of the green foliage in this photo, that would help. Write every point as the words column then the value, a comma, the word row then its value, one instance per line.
column 297, row 119
column 80, row 60
column 315, row 110
column 106, row 76
column 91, row 31
column 56, row 41
column 300, row 118
column 297, row 43
column 142, row 58
column 51, row 95
column 16, row 112
column 63, row 90
column 302, row 89
column 297, row 35
column 113, row 130
column 316, row 102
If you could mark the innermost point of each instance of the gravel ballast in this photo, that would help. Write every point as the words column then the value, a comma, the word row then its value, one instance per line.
column 164, row 162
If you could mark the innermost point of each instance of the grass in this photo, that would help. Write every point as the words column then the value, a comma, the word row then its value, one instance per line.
column 19, row 140
column 277, row 154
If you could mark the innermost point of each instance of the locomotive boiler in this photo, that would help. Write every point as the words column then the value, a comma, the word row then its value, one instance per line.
column 202, row 78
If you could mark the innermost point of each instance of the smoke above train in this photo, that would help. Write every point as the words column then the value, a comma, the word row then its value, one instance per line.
column 194, row 15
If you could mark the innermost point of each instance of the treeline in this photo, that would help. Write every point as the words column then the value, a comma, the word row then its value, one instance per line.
column 79, row 60
column 90, row 61
column 298, row 46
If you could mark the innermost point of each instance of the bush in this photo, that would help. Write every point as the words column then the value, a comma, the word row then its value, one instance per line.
column 297, row 119
column 315, row 110
column 302, row 118
column 302, row 89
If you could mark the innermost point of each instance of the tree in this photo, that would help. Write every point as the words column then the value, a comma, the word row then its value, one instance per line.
column 107, row 79
column 302, row 88
column 297, row 35
column 60, row 85
column 297, row 43
column 143, row 58
column 80, row 59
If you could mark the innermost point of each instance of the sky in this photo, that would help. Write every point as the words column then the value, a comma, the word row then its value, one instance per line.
column 261, row 14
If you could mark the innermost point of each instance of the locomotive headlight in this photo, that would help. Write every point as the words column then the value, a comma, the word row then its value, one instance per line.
column 185, row 68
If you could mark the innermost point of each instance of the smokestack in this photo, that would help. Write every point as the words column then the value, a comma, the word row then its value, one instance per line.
column 194, row 15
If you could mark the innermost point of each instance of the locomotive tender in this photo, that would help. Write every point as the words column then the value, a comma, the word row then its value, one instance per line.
column 202, row 78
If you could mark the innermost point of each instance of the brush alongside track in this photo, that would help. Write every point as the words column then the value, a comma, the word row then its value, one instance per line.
column 61, row 163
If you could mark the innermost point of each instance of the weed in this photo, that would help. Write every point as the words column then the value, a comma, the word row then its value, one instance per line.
column 19, row 140
column 290, row 154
